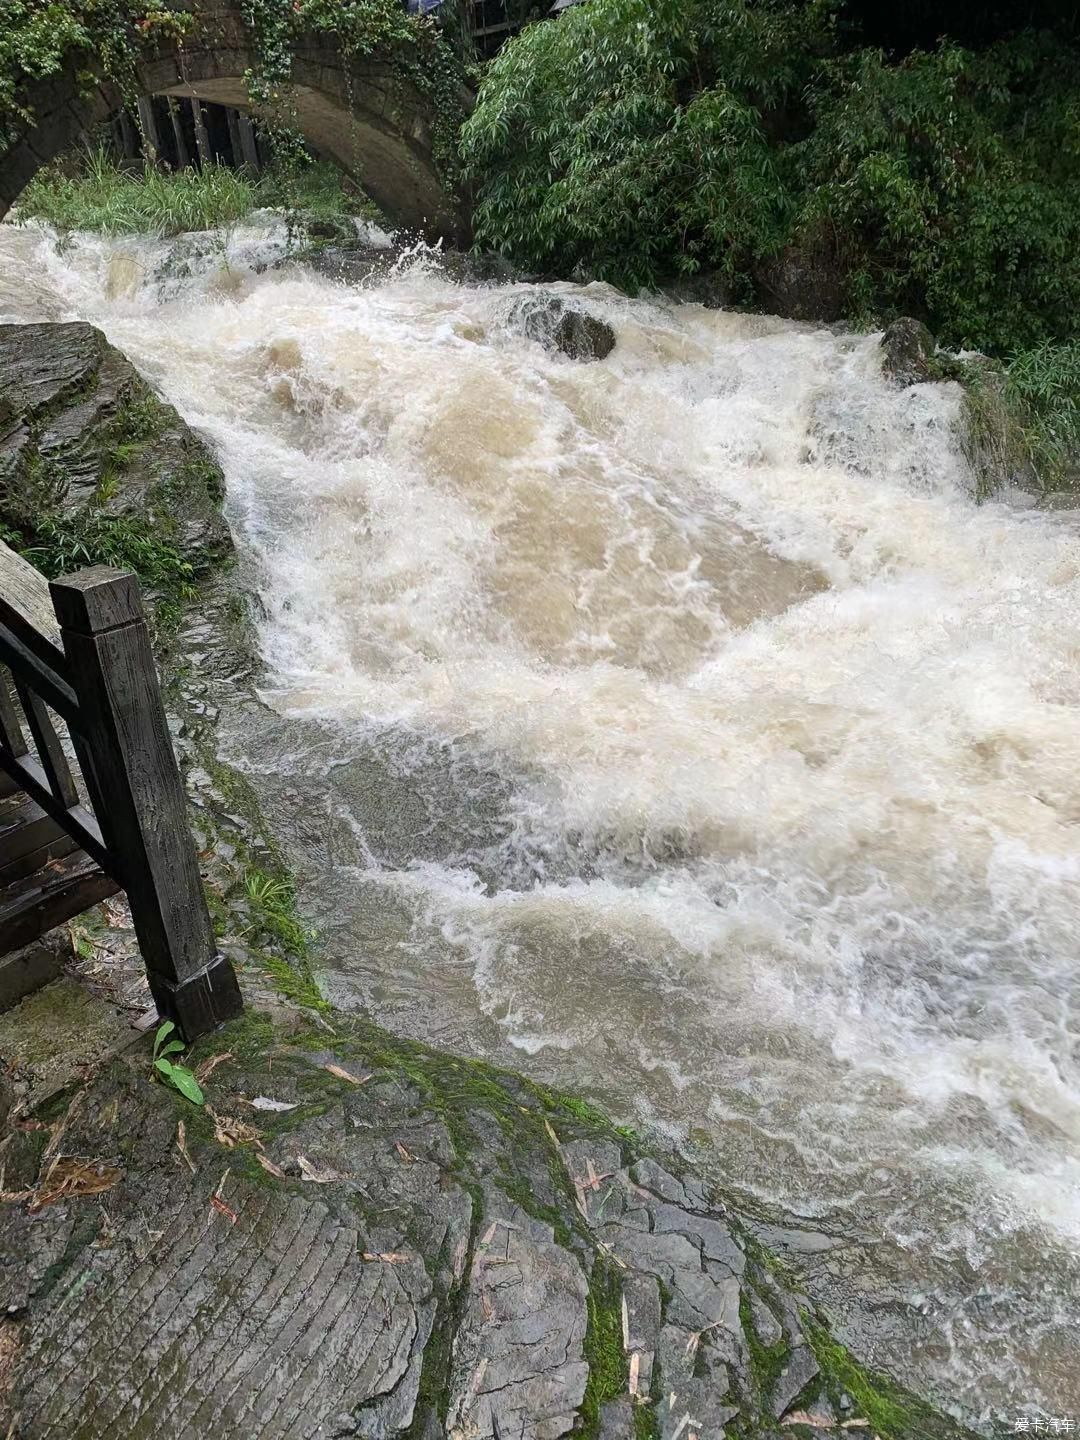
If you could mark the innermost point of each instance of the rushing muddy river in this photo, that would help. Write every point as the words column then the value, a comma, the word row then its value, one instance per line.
column 678, row 728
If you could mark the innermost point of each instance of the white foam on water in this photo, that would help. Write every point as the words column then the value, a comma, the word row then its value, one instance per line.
column 788, row 721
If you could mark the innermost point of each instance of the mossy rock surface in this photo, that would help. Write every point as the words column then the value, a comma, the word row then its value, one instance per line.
column 81, row 431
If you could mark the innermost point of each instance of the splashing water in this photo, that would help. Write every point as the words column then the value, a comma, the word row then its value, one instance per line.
column 677, row 727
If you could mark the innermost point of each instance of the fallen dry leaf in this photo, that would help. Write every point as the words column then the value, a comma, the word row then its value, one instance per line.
column 269, row 1166
column 391, row 1257
column 347, row 1075
column 223, row 1209
column 803, row 1417
column 70, row 1175
column 181, row 1145
column 313, row 1173
column 210, row 1064
column 230, row 1131
column 265, row 1102
column 400, row 1148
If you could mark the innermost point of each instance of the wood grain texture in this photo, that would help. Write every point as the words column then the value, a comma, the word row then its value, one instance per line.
column 26, row 592
column 125, row 735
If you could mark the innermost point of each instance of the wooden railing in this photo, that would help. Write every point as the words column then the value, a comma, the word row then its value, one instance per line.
column 79, row 648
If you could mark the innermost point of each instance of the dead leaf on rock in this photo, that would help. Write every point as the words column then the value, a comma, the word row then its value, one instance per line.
column 181, row 1145
column 313, row 1173
column 803, row 1417
column 400, row 1148
column 223, row 1209
column 230, row 1131
column 210, row 1064
column 269, row 1166
column 266, row 1102
column 389, row 1257
column 69, row 1176
column 347, row 1075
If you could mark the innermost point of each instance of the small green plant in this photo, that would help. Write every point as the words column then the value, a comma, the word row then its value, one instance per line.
column 178, row 1076
column 272, row 901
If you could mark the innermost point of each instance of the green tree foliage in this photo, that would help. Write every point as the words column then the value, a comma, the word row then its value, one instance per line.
column 637, row 139
column 631, row 137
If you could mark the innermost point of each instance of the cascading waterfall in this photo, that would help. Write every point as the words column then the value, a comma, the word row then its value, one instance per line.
column 676, row 727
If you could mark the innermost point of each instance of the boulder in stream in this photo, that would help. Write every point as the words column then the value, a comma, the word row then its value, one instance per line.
column 907, row 352
column 557, row 325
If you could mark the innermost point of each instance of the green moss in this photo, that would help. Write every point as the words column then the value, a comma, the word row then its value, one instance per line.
column 646, row 1423
column 766, row 1361
column 893, row 1413
column 604, row 1352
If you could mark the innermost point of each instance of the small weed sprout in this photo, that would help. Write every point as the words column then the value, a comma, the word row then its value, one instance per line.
column 178, row 1076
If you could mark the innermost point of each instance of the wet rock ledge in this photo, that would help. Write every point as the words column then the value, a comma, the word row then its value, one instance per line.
column 360, row 1237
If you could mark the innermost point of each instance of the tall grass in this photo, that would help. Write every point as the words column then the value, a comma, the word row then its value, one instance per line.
column 95, row 194
column 111, row 201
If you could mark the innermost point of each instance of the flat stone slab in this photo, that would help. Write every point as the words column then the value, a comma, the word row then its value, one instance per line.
column 271, row 1324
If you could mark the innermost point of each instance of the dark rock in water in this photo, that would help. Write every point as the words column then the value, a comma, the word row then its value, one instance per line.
column 329, row 227
column 907, row 352
column 79, row 426
column 556, row 325
column 349, row 264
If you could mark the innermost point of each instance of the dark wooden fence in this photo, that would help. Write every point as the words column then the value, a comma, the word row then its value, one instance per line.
column 79, row 649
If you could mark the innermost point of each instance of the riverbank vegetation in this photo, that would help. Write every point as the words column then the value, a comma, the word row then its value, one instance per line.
column 635, row 140
column 92, row 191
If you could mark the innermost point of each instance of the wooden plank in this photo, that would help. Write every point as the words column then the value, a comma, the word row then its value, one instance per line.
column 25, row 608
column 11, row 735
column 27, row 591
column 24, row 828
column 50, row 751
column 77, row 821
column 234, row 137
column 124, row 730
column 148, row 126
column 51, row 683
column 202, row 137
column 26, row 971
column 42, row 901
column 33, row 860
column 247, row 143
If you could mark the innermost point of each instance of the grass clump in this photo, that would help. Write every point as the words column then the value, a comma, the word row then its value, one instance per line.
column 1022, row 421
column 95, row 193
column 101, row 197
column 893, row 1413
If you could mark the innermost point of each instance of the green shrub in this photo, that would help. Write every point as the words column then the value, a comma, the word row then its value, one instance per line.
column 954, row 179
column 632, row 141
column 631, row 137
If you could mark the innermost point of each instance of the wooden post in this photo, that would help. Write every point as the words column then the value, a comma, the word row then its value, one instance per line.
column 234, row 137
column 247, row 143
column 148, row 126
column 124, row 730
column 202, row 137
column 183, row 156
column 129, row 139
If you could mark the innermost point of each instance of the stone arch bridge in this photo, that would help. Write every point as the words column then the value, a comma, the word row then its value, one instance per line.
column 363, row 112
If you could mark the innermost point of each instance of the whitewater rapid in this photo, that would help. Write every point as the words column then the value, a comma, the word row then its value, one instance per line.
column 678, row 727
